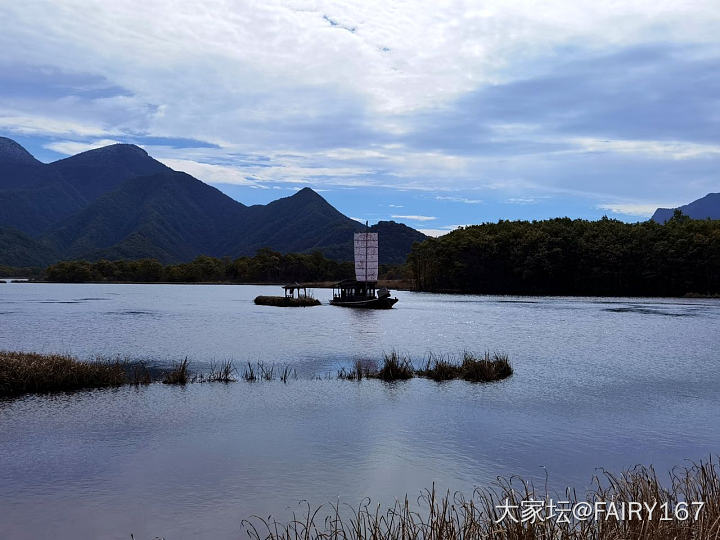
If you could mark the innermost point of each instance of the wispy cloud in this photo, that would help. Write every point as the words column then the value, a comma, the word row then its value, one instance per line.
column 414, row 217
column 458, row 199
column 211, row 174
column 73, row 147
column 521, row 200
column 635, row 209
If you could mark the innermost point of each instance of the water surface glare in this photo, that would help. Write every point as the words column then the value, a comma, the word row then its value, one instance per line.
column 598, row 382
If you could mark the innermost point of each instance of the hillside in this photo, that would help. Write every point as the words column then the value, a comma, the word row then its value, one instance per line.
column 117, row 202
column 704, row 208
column 18, row 249
column 573, row 257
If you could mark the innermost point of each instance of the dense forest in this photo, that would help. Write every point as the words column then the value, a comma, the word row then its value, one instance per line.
column 573, row 257
column 266, row 266
column 557, row 256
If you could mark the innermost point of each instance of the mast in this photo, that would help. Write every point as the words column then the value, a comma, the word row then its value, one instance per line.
column 367, row 230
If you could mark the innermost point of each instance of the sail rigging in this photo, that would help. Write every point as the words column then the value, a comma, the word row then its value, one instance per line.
column 366, row 256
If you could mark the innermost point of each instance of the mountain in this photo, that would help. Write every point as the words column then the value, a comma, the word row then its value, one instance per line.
column 102, row 170
column 170, row 216
column 19, row 169
column 117, row 202
column 706, row 207
column 35, row 196
column 18, row 249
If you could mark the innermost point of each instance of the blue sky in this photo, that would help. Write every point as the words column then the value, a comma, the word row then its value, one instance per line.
column 432, row 114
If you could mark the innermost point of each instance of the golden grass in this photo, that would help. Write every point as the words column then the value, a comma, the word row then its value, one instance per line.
column 23, row 373
column 454, row 516
column 178, row 375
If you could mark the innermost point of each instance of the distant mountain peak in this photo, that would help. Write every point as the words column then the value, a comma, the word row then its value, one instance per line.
column 306, row 192
column 11, row 151
column 703, row 208
column 117, row 149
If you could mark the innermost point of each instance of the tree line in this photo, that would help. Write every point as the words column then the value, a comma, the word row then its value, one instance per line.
column 573, row 257
column 266, row 266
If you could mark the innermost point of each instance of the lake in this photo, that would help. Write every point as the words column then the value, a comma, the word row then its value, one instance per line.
column 598, row 382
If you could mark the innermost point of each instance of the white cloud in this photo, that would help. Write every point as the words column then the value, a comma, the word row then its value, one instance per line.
column 415, row 217
column 211, row 174
column 660, row 149
column 73, row 147
column 458, row 199
column 434, row 232
column 440, row 231
column 635, row 209
column 33, row 124
column 338, row 105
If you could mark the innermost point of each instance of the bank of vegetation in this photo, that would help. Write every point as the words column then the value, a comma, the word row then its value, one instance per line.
column 573, row 257
column 266, row 266
column 286, row 301
column 482, row 515
column 33, row 373
column 33, row 272
column 397, row 367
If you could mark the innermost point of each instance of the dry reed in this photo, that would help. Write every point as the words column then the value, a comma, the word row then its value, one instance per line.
column 480, row 516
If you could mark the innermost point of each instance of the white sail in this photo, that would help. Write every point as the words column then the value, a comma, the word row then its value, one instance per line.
column 366, row 256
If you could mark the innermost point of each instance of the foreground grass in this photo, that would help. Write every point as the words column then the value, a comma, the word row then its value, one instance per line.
column 23, row 373
column 481, row 516
column 32, row 373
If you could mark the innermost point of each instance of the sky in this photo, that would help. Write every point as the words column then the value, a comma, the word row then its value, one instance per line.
column 434, row 114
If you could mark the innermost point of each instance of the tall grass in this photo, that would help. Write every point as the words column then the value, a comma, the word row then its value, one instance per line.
column 395, row 367
column 178, row 375
column 479, row 516
column 260, row 371
column 223, row 372
column 23, row 373
column 471, row 368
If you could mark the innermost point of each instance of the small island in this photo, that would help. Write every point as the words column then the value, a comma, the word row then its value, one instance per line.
column 296, row 295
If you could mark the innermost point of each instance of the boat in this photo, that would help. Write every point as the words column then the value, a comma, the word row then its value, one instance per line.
column 363, row 292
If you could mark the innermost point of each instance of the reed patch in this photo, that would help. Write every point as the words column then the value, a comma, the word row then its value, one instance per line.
column 498, row 512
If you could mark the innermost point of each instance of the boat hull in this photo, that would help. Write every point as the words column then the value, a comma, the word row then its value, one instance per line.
column 370, row 303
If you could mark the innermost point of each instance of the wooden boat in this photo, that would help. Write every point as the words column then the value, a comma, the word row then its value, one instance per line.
column 362, row 292
column 291, row 299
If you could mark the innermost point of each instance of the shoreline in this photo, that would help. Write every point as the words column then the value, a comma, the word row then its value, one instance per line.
column 396, row 285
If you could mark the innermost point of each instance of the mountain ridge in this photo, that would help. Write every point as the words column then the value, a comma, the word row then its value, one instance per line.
column 702, row 208
column 118, row 202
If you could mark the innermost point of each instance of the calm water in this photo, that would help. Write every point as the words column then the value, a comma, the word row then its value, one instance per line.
column 598, row 382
